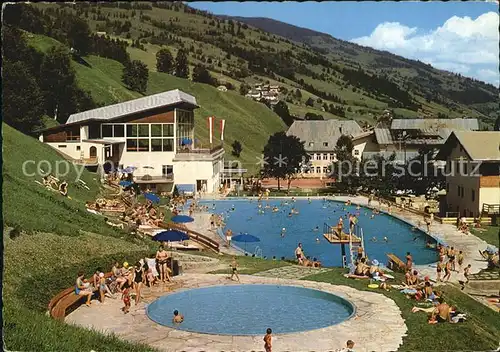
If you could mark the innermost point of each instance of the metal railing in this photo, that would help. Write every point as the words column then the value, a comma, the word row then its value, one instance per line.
column 491, row 208
column 200, row 151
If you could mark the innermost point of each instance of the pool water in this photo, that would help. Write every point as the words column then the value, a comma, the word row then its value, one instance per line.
column 250, row 309
column 245, row 218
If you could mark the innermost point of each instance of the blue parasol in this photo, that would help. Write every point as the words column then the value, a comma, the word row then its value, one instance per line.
column 171, row 236
column 182, row 219
column 186, row 141
column 245, row 238
column 152, row 197
column 129, row 169
column 125, row 183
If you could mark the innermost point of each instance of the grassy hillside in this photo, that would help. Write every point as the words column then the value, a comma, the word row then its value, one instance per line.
column 295, row 57
column 58, row 238
column 247, row 121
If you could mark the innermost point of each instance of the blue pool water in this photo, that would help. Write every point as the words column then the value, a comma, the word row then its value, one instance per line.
column 250, row 309
column 300, row 228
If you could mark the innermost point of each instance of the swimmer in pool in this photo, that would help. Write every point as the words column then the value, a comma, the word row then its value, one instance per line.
column 414, row 228
column 374, row 239
column 275, row 209
column 267, row 206
column 316, row 228
column 283, row 230
column 309, row 200
column 317, row 240
column 289, row 215
column 372, row 216
column 232, row 207
column 385, row 239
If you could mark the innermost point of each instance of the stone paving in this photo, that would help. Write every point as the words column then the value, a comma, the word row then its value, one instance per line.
column 292, row 272
column 469, row 244
column 377, row 326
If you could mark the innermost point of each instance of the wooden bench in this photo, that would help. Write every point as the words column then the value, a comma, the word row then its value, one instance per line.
column 395, row 263
column 60, row 303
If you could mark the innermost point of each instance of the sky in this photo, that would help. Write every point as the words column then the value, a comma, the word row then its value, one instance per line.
column 460, row 37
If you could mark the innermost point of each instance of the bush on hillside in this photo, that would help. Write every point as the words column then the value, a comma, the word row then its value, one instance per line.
column 135, row 76
column 164, row 61
column 237, row 149
column 201, row 75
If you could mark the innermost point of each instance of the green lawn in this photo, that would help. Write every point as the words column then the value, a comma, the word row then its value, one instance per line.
column 481, row 331
column 249, row 265
column 490, row 234
column 51, row 249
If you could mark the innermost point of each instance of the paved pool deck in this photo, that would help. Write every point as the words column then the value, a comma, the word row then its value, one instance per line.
column 377, row 325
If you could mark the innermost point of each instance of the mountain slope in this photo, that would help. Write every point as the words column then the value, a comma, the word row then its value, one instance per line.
column 324, row 76
column 247, row 121
column 417, row 75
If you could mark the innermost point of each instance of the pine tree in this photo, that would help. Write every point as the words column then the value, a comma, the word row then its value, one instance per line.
column 135, row 75
column 181, row 64
column 164, row 61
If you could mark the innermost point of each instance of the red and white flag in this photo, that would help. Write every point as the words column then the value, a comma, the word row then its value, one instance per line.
column 222, row 125
column 211, row 120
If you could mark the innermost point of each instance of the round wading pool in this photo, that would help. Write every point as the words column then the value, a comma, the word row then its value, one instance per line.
column 250, row 309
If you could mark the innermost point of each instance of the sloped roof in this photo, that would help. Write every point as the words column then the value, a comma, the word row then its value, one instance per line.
column 435, row 124
column 319, row 132
column 425, row 129
column 383, row 136
column 480, row 145
column 109, row 112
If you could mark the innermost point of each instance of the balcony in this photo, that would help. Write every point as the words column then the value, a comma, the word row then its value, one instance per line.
column 169, row 178
column 199, row 153
column 86, row 161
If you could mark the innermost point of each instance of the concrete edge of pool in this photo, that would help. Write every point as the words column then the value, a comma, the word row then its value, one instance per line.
column 377, row 325
column 339, row 299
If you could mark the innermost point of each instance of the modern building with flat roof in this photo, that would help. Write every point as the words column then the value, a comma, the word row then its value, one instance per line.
column 154, row 134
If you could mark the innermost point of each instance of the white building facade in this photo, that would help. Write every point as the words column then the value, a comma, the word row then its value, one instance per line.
column 154, row 134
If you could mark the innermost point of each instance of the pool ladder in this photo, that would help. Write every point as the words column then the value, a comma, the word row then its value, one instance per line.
column 258, row 252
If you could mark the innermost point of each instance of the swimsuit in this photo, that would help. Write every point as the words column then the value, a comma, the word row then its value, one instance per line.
column 138, row 276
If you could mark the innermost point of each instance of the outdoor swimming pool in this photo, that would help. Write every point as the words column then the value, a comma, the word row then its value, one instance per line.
column 300, row 228
column 250, row 309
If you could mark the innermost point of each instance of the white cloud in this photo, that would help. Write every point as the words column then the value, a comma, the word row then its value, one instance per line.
column 462, row 44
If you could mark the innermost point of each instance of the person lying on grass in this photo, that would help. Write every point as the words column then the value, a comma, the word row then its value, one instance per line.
column 441, row 313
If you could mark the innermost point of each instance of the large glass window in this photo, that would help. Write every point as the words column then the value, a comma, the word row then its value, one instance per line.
column 185, row 128
column 131, row 145
column 156, row 130
column 118, row 131
column 143, row 130
column 154, row 137
column 168, row 130
column 107, row 131
column 144, row 145
column 168, row 144
column 156, row 145
column 132, row 130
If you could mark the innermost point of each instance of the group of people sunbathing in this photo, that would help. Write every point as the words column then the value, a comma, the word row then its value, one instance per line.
column 52, row 183
column 305, row 261
column 143, row 214
column 123, row 278
column 105, row 204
